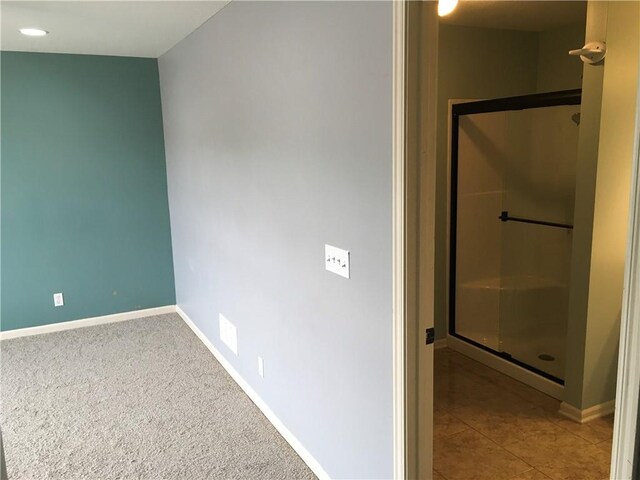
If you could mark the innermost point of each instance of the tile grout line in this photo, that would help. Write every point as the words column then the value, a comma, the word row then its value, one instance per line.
column 438, row 472
column 488, row 438
column 450, row 412
column 507, row 451
column 484, row 380
column 543, row 410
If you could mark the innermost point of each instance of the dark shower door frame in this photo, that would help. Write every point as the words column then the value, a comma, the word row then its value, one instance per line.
column 523, row 102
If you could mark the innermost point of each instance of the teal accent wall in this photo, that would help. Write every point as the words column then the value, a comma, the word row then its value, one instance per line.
column 83, row 188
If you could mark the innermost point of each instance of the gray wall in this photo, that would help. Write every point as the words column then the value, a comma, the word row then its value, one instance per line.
column 278, row 139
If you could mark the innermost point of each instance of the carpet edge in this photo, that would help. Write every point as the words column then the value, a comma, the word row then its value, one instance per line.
column 86, row 322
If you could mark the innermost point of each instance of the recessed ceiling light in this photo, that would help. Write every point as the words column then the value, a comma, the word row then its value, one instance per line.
column 33, row 32
column 445, row 7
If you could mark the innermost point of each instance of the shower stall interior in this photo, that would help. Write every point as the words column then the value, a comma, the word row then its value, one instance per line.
column 513, row 177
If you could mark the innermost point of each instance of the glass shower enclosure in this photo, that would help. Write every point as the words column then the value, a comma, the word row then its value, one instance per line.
column 513, row 176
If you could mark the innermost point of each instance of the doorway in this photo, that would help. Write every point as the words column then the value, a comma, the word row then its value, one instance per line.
column 470, row 364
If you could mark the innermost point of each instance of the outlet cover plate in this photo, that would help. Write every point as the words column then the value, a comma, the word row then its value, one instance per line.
column 58, row 300
column 261, row 367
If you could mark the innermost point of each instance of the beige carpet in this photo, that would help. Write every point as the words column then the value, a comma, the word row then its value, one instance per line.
column 141, row 399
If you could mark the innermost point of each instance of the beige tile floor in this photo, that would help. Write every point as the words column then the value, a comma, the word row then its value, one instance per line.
column 489, row 426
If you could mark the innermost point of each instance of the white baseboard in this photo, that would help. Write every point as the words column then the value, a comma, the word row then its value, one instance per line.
column 311, row 462
column 588, row 414
column 523, row 375
column 86, row 322
column 441, row 343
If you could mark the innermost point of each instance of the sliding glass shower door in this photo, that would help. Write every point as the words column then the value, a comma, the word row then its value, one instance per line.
column 513, row 185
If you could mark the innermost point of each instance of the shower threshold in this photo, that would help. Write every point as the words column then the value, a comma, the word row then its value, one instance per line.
column 525, row 374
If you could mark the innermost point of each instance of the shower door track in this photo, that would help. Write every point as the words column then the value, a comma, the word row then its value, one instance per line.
column 524, row 102
column 506, row 356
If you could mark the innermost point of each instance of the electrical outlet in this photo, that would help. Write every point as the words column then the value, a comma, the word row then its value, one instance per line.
column 261, row 367
column 228, row 334
column 58, row 300
column 336, row 260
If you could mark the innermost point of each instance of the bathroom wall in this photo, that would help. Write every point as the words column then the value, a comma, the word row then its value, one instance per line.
column 277, row 120
column 602, row 202
column 557, row 70
column 84, row 192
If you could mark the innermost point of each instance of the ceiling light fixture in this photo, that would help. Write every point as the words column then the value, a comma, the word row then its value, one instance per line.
column 445, row 7
column 33, row 32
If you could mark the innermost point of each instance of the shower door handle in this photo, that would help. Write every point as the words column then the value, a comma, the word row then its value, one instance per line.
column 504, row 217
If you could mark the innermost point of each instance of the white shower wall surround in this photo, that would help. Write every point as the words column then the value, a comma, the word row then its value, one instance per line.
column 518, row 318
column 277, row 122
column 513, row 278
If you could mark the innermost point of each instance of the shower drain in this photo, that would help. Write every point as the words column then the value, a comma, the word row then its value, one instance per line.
column 546, row 357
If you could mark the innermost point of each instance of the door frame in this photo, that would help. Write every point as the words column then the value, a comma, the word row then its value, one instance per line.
column 415, row 32
column 415, row 39
column 628, row 388
column 400, row 415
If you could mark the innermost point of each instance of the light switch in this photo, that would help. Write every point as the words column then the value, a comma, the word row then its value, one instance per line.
column 336, row 260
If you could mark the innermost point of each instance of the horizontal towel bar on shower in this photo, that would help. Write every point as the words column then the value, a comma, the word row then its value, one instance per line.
column 504, row 216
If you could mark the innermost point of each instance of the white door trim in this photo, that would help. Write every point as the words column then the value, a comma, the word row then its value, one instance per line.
column 398, row 221
column 628, row 388
column 415, row 63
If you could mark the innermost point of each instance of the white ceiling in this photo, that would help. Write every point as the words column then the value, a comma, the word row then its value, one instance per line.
column 531, row 16
column 150, row 28
column 123, row 28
